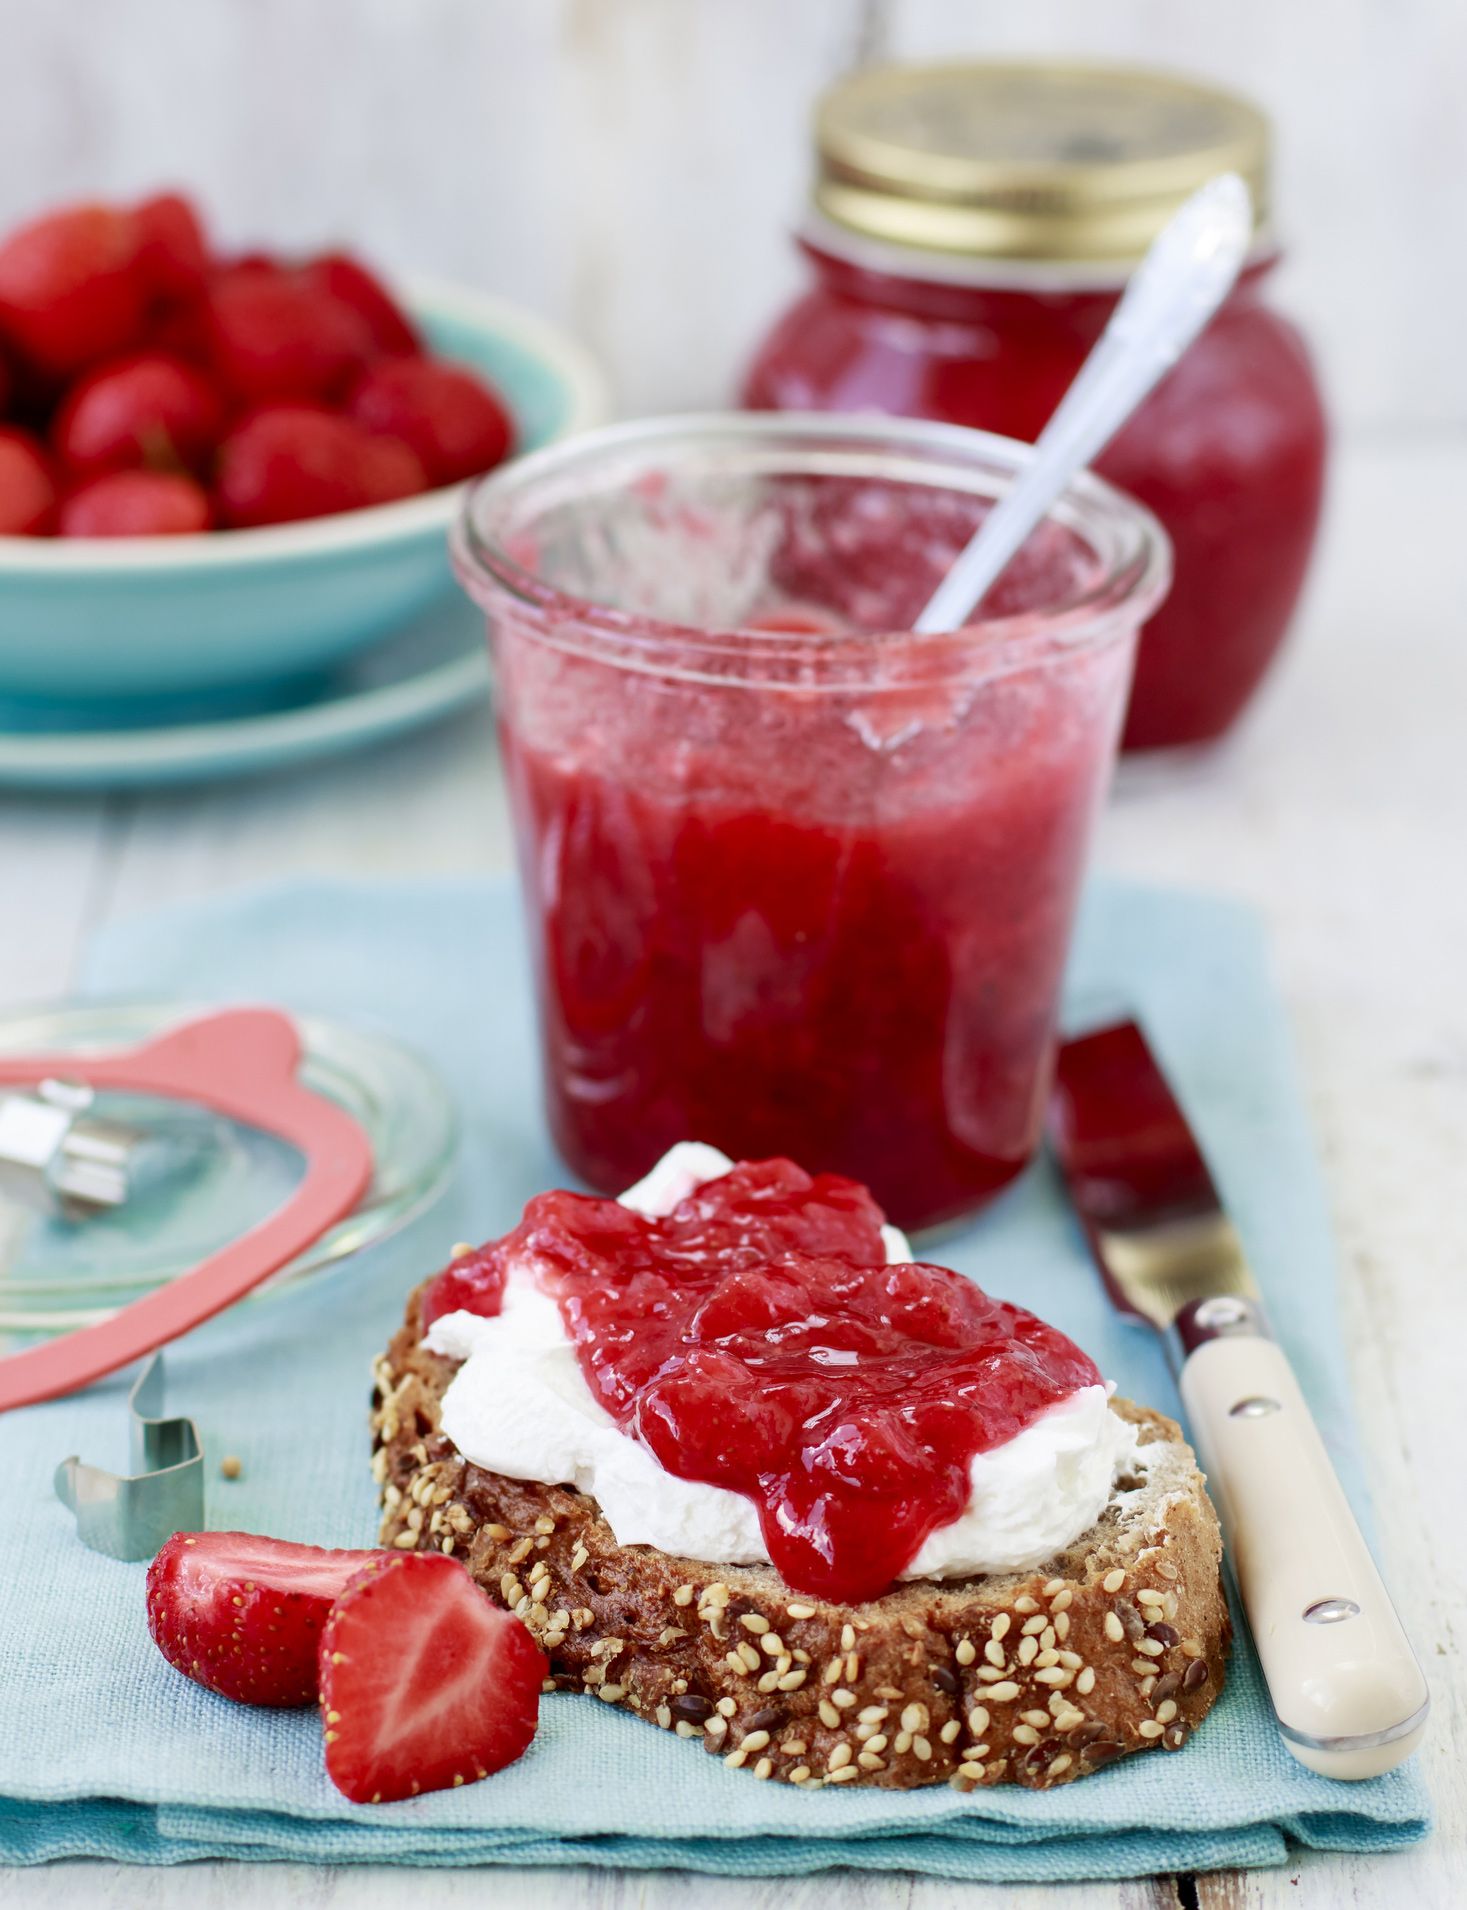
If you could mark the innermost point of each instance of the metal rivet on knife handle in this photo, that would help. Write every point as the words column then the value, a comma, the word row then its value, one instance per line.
column 1331, row 1611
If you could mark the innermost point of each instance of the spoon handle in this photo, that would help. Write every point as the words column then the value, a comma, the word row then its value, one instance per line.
column 1186, row 274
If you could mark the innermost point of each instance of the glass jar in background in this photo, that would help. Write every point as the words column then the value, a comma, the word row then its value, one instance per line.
column 799, row 881
column 971, row 228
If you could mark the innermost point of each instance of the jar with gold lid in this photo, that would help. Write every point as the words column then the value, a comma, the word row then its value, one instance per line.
column 970, row 229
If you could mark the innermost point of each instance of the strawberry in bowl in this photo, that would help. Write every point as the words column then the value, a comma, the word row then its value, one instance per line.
column 164, row 531
column 140, row 347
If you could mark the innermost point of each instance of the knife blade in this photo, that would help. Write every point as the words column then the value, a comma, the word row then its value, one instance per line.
column 1348, row 1695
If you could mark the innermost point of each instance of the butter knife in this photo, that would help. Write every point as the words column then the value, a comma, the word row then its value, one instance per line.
column 1346, row 1689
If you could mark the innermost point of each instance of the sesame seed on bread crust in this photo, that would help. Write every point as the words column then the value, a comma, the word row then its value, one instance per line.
column 1115, row 1645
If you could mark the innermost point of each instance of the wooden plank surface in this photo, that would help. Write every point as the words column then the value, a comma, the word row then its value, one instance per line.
column 632, row 167
column 1340, row 812
column 217, row 1886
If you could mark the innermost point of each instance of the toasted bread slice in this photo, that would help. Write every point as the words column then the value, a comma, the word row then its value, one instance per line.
column 1115, row 1645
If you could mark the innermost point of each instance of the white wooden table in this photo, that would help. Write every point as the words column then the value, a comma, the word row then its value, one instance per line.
column 1341, row 813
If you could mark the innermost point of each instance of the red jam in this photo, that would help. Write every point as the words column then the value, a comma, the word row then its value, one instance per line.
column 756, row 1340
column 1228, row 451
column 824, row 917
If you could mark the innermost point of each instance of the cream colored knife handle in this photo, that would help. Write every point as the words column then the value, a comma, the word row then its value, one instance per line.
column 1347, row 1690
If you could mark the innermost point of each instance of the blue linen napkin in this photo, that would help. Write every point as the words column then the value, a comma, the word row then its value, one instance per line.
column 105, row 1751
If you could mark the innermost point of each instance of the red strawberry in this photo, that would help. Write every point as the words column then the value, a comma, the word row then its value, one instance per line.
column 148, row 410
column 290, row 462
column 136, row 504
column 27, row 492
column 344, row 278
column 242, row 1615
column 71, row 291
column 278, row 338
column 5, row 386
column 172, row 251
column 424, row 1683
column 448, row 415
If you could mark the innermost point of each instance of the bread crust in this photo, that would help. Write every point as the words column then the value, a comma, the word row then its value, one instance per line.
column 1116, row 1645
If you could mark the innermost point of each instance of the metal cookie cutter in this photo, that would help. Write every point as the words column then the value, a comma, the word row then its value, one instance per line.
column 131, row 1517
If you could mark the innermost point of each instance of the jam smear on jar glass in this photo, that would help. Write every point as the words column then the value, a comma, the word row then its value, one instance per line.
column 756, row 1339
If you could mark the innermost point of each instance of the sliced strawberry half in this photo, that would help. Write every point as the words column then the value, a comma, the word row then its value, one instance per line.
column 424, row 1683
column 243, row 1615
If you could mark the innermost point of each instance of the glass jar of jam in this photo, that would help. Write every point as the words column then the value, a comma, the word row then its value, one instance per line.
column 800, row 882
column 971, row 228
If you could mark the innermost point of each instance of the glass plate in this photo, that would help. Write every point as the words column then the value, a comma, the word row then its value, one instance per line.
column 211, row 1178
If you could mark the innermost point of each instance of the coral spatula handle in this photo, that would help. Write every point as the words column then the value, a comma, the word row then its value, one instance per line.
column 242, row 1063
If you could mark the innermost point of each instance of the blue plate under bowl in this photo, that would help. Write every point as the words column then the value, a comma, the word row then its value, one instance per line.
column 162, row 618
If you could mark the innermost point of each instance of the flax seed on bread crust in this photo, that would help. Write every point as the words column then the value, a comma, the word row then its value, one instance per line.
column 1115, row 1645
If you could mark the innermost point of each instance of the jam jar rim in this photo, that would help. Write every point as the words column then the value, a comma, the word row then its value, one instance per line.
column 1132, row 550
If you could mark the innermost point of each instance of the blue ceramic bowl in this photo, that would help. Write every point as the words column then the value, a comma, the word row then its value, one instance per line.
column 237, row 615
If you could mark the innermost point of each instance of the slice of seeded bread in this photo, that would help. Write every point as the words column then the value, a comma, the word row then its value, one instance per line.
column 1117, row 1644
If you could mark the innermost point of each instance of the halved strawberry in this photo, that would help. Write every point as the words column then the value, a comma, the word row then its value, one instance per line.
column 242, row 1614
column 424, row 1683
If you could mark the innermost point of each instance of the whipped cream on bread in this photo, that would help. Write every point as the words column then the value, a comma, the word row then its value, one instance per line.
column 520, row 1406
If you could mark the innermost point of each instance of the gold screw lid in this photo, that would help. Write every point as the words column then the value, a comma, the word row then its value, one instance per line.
column 1027, row 160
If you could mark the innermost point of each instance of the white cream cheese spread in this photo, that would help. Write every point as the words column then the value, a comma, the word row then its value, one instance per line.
column 520, row 1406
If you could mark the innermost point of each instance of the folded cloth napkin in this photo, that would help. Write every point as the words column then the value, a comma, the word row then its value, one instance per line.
column 106, row 1751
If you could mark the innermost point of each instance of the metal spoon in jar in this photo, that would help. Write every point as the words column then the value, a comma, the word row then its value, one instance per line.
column 1186, row 274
